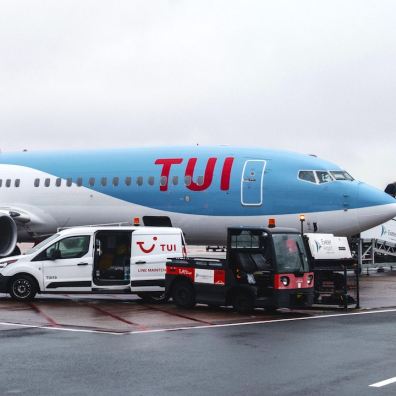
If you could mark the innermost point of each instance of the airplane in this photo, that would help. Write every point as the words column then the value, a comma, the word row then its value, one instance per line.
column 202, row 190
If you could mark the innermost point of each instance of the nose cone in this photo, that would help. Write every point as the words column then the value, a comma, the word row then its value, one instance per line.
column 374, row 207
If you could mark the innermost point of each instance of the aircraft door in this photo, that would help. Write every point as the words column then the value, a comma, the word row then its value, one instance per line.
column 252, row 183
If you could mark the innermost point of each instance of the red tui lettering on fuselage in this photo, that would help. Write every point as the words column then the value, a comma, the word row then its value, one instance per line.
column 167, row 164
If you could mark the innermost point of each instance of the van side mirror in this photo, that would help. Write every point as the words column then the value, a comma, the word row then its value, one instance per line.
column 55, row 254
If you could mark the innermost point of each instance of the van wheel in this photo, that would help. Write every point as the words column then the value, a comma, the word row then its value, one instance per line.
column 183, row 294
column 243, row 302
column 23, row 288
column 154, row 297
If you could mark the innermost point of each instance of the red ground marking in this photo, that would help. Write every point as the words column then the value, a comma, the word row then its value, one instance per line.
column 177, row 314
column 48, row 318
column 117, row 317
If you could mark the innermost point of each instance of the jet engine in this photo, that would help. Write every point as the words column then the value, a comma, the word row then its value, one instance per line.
column 8, row 235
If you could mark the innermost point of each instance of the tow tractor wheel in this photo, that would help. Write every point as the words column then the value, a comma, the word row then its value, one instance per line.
column 23, row 288
column 183, row 294
column 243, row 302
column 271, row 309
column 154, row 297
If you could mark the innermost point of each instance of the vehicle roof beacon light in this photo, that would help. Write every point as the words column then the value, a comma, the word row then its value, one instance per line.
column 136, row 221
column 271, row 223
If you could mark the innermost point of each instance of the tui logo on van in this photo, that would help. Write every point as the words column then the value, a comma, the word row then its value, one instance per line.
column 150, row 249
column 164, row 247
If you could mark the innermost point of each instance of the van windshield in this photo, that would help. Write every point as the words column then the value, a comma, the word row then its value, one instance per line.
column 290, row 253
column 36, row 248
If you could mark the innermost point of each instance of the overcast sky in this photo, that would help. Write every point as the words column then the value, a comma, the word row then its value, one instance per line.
column 309, row 76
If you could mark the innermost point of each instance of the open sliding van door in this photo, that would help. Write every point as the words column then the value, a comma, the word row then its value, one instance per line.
column 112, row 259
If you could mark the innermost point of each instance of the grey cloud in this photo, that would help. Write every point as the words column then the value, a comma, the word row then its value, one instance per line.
column 309, row 76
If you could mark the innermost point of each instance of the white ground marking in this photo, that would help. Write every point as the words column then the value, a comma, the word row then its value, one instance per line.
column 57, row 328
column 384, row 383
column 262, row 322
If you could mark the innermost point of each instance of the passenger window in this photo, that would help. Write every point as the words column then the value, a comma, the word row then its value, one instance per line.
column 1, row 182
column 17, row 182
column 116, row 181
column 103, row 181
column 8, row 183
column 36, row 182
column 58, row 182
column 163, row 180
column 200, row 180
column 308, row 176
column 68, row 248
column 151, row 180
column 128, row 181
column 47, row 182
column 187, row 180
column 139, row 181
column 323, row 177
column 91, row 181
column 74, row 247
column 175, row 180
column 69, row 182
column 79, row 181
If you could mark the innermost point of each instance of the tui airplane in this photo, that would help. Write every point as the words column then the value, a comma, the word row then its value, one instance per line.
column 202, row 190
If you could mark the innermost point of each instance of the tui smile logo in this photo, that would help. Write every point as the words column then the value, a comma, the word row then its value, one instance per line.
column 150, row 249
column 318, row 246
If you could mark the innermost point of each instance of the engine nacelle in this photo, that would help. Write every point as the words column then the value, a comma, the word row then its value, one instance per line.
column 8, row 235
column 391, row 189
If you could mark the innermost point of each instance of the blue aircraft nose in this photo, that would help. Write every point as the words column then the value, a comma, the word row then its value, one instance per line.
column 374, row 207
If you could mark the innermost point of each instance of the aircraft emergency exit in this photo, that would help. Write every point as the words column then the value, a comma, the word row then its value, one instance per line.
column 202, row 190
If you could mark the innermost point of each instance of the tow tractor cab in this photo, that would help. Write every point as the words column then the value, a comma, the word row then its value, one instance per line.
column 264, row 267
column 95, row 259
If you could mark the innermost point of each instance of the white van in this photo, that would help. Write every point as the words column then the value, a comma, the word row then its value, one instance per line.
column 94, row 260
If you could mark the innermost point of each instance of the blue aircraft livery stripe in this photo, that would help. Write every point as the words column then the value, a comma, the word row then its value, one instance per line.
column 218, row 193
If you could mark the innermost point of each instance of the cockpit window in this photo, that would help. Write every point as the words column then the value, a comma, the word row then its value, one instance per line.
column 323, row 177
column 341, row 175
column 307, row 176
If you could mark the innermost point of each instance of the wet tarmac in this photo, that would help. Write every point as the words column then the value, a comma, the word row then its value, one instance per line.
column 117, row 344
column 325, row 355
column 125, row 314
column 118, row 314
